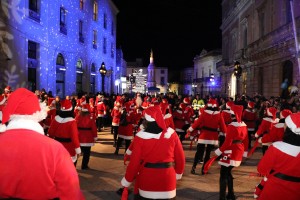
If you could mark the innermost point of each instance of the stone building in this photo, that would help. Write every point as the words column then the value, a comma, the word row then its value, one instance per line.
column 58, row 45
column 259, row 46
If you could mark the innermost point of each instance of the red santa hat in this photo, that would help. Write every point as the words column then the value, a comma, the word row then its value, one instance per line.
column 284, row 113
column 212, row 103
column 7, row 89
column 23, row 103
column 164, row 100
column 164, row 107
column 229, row 104
column 82, row 100
column 66, row 105
column 182, row 106
column 251, row 104
column 293, row 122
column 153, row 114
column 271, row 111
column 237, row 110
column 186, row 100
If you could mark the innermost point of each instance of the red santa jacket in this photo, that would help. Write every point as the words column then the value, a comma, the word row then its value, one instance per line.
column 189, row 114
column 41, row 167
column 149, row 149
column 275, row 134
column 101, row 109
column 65, row 131
column 250, row 117
column 50, row 117
column 179, row 120
column 280, row 159
column 169, row 121
column 87, row 130
column 265, row 127
column 209, row 123
column 234, row 145
column 125, row 130
column 116, row 114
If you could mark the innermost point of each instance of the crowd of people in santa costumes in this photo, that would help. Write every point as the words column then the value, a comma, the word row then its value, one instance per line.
column 41, row 167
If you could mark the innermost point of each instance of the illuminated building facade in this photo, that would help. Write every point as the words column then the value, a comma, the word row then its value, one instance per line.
column 58, row 45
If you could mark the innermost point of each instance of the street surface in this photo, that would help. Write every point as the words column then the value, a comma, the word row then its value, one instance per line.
column 103, row 179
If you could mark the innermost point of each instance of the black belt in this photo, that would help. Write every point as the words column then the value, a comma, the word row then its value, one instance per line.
column 287, row 178
column 209, row 129
column 237, row 141
column 159, row 165
column 87, row 129
column 63, row 139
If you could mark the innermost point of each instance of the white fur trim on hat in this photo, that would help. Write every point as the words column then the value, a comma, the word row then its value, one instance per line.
column 289, row 122
column 149, row 118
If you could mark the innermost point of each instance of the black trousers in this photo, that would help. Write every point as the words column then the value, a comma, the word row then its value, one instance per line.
column 115, row 132
column 86, row 153
column 200, row 152
column 99, row 123
column 120, row 140
column 226, row 180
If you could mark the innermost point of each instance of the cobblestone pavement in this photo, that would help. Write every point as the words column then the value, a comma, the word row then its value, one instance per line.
column 103, row 178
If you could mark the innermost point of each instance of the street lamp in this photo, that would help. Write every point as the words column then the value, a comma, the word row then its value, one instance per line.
column 237, row 72
column 102, row 71
column 212, row 80
column 194, row 86
column 131, row 79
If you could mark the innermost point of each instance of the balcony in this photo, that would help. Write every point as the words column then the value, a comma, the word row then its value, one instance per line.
column 34, row 15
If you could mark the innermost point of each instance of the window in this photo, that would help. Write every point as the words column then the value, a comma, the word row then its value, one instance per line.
column 81, row 4
column 81, row 39
column 93, row 78
column 261, row 24
column 60, row 76
column 104, row 45
column 94, row 39
column 63, row 14
column 288, row 14
column 33, row 10
column 32, row 49
column 162, row 71
column 95, row 11
column 105, row 21
column 112, row 50
column 112, row 28
column 79, row 73
column 162, row 80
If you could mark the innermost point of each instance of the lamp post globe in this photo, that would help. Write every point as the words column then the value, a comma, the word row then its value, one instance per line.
column 102, row 71
column 237, row 72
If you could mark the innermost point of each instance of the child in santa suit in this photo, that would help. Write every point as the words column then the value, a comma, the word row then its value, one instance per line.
column 266, row 125
column 232, row 151
column 179, row 121
column 280, row 164
column 277, row 132
column 101, row 112
column 87, row 133
column 250, row 118
column 157, row 159
column 116, row 116
column 33, row 166
column 64, row 129
column 210, row 122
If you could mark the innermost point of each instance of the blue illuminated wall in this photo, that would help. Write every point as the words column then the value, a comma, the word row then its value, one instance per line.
column 43, row 27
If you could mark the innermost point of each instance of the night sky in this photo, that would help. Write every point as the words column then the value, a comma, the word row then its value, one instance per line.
column 176, row 30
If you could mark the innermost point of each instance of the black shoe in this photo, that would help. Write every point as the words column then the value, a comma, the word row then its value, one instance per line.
column 193, row 170
column 85, row 168
column 231, row 197
column 120, row 191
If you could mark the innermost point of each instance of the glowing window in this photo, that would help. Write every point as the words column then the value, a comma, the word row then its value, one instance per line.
column 95, row 11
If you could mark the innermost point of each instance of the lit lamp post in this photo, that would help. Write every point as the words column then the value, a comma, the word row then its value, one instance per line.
column 237, row 73
column 131, row 79
column 212, row 81
column 102, row 71
column 194, row 86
